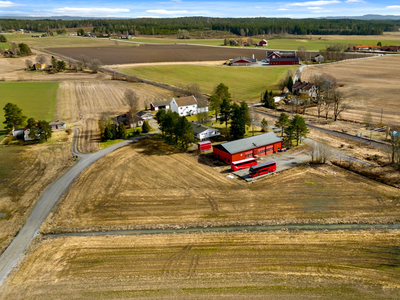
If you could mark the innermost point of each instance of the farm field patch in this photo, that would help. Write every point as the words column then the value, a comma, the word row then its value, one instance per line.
column 25, row 171
column 4, row 46
column 83, row 102
column 36, row 99
column 367, row 86
column 151, row 185
column 279, row 265
column 245, row 83
column 150, row 53
column 62, row 41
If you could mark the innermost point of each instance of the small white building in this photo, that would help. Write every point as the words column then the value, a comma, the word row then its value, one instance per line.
column 187, row 106
column 202, row 132
column 159, row 105
column 58, row 125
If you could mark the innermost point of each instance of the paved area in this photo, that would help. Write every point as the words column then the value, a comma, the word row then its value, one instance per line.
column 284, row 161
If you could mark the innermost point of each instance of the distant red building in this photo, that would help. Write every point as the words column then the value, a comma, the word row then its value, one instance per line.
column 258, row 145
column 282, row 58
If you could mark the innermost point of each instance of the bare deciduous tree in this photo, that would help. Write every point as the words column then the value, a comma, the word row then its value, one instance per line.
column 84, row 59
column 323, row 83
column 94, row 65
column 319, row 152
column 302, row 53
column 132, row 100
column 41, row 59
column 28, row 63
column 337, row 103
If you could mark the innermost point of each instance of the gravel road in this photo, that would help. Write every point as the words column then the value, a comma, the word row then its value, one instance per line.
column 44, row 206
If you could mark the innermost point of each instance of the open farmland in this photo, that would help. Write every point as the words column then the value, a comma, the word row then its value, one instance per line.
column 84, row 101
column 245, row 83
column 148, row 53
column 368, row 85
column 279, row 265
column 62, row 41
column 37, row 99
column 25, row 171
column 151, row 185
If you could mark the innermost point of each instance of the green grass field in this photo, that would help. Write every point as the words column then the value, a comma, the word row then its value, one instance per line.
column 245, row 83
column 283, row 44
column 37, row 99
column 4, row 46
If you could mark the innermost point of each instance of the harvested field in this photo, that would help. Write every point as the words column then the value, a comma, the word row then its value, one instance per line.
column 83, row 102
column 368, row 86
column 280, row 265
column 151, row 185
column 25, row 171
column 148, row 53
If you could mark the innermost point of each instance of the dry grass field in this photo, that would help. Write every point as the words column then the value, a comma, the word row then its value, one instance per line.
column 151, row 185
column 369, row 85
column 25, row 171
column 278, row 265
column 84, row 101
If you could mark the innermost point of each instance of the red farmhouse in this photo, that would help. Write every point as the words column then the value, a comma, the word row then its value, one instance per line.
column 282, row 58
column 258, row 145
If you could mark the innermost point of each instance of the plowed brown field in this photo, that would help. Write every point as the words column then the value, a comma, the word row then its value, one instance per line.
column 84, row 101
column 280, row 265
column 151, row 185
column 369, row 85
column 147, row 53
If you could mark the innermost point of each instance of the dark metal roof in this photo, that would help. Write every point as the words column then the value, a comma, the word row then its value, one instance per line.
column 198, row 128
column 249, row 143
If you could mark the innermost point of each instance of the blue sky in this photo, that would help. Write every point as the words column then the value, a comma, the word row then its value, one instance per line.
column 182, row 8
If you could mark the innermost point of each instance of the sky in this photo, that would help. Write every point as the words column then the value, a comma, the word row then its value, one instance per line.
column 187, row 8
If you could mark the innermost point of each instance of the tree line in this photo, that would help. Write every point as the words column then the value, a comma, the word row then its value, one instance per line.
column 237, row 26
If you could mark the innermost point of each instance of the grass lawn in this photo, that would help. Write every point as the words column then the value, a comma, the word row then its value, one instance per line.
column 4, row 46
column 37, row 99
column 245, row 83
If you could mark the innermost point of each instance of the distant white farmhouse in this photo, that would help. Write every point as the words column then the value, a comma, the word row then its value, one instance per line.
column 187, row 106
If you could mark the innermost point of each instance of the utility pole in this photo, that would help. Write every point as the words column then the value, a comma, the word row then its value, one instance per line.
column 381, row 115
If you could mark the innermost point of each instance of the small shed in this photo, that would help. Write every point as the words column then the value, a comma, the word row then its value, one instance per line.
column 204, row 146
column 160, row 105
column 57, row 125
column 262, row 43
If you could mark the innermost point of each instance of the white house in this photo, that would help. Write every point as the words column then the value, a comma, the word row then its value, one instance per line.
column 187, row 106
column 57, row 125
column 202, row 132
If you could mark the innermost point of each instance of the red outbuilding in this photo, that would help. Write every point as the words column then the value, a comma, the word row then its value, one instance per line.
column 204, row 146
column 254, row 146
column 282, row 58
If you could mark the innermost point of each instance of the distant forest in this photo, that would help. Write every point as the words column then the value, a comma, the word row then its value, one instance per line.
column 237, row 26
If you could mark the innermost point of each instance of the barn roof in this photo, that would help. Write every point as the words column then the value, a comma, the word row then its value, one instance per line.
column 184, row 101
column 249, row 143
column 284, row 59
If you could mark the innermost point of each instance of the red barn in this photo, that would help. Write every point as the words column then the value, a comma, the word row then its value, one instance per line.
column 282, row 58
column 258, row 145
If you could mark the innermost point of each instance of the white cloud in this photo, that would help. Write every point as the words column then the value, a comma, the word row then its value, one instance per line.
column 314, row 3
column 355, row 1
column 89, row 10
column 322, row 11
column 314, row 7
column 166, row 12
column 393, row 7
column 9, row 4
column 283, row 9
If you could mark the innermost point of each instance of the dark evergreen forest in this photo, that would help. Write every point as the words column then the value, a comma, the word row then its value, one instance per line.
column 237, row 26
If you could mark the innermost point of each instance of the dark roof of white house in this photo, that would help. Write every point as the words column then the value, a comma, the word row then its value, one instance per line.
column 249, row 143
column 160, row 103
column 198, row 128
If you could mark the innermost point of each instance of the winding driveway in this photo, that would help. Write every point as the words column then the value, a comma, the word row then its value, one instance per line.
column 49, row 199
